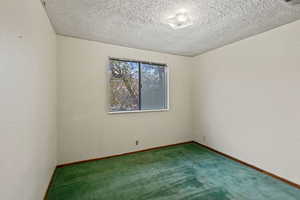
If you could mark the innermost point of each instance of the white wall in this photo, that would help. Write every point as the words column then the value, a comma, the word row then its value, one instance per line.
column 86, row 130
column 246, row 99
column 27, row 102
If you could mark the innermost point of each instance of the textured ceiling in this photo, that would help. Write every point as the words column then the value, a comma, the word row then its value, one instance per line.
column 142, row 23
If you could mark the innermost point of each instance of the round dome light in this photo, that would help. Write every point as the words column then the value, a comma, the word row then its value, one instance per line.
column 181, row 17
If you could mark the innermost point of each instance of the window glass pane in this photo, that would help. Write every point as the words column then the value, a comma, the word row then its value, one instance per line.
column 124, row 86
column 154, row 87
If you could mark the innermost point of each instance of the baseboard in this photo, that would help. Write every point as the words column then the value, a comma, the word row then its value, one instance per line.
column 50, row 183
column 102, row 158
column 188, row 142
column 122, row 154
column 250, row 165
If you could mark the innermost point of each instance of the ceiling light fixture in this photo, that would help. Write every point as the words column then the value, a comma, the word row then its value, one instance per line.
column 180, row 20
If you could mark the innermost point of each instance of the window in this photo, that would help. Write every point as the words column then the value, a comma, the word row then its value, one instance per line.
column 137, row 86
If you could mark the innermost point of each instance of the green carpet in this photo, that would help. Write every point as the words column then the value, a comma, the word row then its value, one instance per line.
column 182, row 172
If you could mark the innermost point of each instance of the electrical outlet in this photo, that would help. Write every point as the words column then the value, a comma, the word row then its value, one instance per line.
column 44, row 3
column 136, row 142
column 204, row 138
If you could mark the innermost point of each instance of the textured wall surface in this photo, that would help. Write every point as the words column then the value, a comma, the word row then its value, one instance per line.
column 28, row 100
column 247, row 100
column 142, row 23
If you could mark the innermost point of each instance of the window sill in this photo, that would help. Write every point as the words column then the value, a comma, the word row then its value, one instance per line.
column 138, row 111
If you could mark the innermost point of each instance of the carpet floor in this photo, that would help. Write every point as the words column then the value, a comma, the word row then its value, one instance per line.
column 182, row 172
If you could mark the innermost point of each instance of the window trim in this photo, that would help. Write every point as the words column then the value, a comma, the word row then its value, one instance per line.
column 167, row 73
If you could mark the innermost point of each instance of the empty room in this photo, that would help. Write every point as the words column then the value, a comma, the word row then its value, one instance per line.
column 150, row 100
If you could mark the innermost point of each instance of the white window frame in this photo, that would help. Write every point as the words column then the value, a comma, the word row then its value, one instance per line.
column 167, row 74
